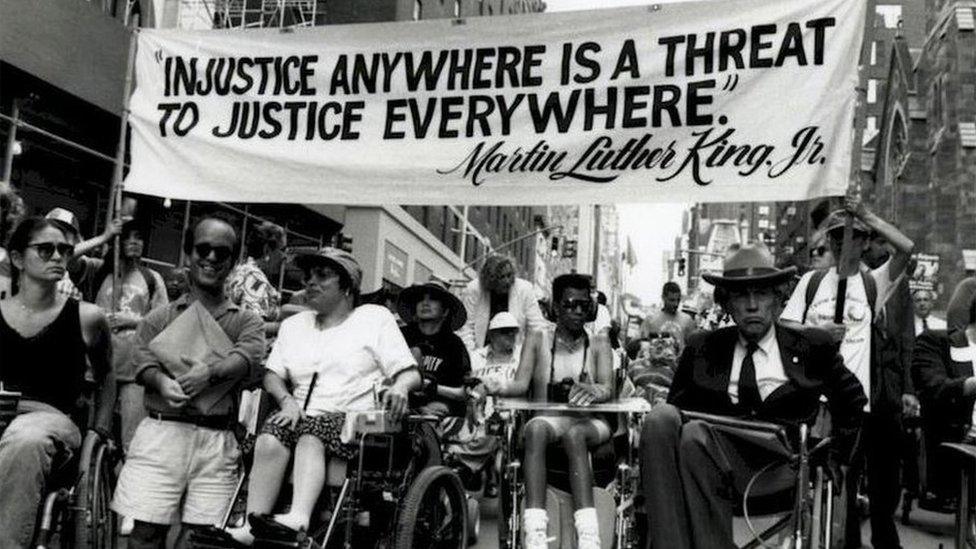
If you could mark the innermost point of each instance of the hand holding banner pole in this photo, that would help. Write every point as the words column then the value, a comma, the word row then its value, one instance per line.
column 115, row 198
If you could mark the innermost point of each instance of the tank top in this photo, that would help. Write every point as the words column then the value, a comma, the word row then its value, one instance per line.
column 50, row 366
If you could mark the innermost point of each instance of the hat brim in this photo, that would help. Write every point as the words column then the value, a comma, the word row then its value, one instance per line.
column 307, row 260
column 757, row 280
column 407, row 304
column 65, row 227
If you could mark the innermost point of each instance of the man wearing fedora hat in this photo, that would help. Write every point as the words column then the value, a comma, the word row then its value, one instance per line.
column 692, row 470
column 432, row 314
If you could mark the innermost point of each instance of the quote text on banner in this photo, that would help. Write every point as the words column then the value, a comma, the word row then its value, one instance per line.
column 743, row 100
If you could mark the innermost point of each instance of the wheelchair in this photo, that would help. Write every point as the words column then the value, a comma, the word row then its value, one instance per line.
column 74, row 509
column 395, row 494
column 76, row 512
column 812, row 513
column 615, row 467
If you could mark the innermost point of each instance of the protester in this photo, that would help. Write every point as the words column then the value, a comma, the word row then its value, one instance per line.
column 249, row 286
column 79, row 278
column 142, row 290
column 48, row 341
column 495, row 290
column 869, row 352
column 692, row 472
column 494, row 365
column 923, row 300
column 669, row 318
column 183, row 459
column 432, row 314
column 11, row 212
column 944, row 362
column 564, row 364
column 334, row 355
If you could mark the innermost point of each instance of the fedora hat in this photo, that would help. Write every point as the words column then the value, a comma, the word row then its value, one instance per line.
column 456, row 315
column 750, row 265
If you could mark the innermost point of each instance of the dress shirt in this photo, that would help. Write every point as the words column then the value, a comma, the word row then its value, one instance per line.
column 769, row 366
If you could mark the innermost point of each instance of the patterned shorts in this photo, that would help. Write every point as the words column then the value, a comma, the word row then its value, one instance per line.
column 326, row 427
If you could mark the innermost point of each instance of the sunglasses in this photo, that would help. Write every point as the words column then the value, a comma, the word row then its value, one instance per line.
column 573, row 304
column 319, row 272
column 819, row 251
column 45, row 250
column 220, row 253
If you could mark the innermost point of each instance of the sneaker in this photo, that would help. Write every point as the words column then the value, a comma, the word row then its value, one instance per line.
column 588, row 540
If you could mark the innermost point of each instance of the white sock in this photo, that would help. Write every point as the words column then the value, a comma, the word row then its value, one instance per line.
column 535, row 519
column 586, row 522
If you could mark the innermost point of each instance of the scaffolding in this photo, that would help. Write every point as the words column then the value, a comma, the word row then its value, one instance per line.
column 247, row 14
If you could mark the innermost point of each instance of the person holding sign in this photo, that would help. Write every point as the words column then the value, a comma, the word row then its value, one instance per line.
column 191, row 355
column 693, row 470
column 47, row 341
column 866, row 348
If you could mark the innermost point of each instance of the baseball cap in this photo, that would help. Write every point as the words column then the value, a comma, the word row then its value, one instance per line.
column 66, row 219
column 503, row 320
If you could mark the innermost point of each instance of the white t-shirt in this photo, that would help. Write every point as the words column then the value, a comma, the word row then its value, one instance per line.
column 350, row 358
column 856, row 347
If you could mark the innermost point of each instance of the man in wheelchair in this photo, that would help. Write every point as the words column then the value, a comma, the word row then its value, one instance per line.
column 694, row 470
column 46, row 370
column 564, row 365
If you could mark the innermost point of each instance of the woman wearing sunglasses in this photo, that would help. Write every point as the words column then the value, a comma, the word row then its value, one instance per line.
column 333, row 356
column 46, row 340
column 564, row 365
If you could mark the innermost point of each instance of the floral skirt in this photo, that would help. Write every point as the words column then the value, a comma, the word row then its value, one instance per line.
column 326, row 427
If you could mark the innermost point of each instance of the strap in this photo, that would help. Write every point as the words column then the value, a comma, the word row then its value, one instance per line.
column 871, row 289
column 150, row 282
column 552, row 356
column 812, row 286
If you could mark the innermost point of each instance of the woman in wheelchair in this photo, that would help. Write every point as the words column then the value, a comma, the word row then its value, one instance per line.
column 47, row 342
column 333, row 356
column 564, row 365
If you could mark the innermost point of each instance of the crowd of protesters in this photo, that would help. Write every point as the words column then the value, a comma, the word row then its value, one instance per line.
column 170, row 353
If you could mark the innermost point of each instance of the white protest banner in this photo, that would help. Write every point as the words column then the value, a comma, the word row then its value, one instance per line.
column 731, row 100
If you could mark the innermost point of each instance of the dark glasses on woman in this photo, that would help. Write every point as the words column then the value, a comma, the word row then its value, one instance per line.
column 220, row 253
column 45, row 250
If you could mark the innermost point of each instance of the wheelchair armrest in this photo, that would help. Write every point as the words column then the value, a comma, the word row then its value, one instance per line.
column 964, row 451
column 764, row 426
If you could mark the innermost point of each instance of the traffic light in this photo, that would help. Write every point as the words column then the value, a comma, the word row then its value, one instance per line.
column 569, row 248
column 555, row 244
column 681, row 266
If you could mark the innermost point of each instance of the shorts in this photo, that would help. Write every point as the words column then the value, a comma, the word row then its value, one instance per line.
column 561, row 424
column 326, row 427
column 177, row 472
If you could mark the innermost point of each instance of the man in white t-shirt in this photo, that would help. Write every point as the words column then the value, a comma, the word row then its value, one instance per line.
column 813, row 303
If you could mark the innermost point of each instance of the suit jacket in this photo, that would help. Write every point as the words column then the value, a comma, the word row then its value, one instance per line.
column 813, row 368
column 521, row 303
column 939, row 379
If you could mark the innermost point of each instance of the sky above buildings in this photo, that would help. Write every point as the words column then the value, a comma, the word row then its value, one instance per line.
column 650, row 227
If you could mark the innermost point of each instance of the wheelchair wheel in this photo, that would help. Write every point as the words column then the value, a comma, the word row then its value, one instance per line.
column 94, row 521
column 434, row 512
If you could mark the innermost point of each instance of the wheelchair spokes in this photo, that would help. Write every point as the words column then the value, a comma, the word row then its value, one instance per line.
column 434, row 512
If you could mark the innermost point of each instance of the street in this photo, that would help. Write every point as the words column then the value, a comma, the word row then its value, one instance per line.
column 926, row 531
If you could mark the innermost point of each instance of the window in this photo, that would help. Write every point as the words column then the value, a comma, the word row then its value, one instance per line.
column 872, row 91
column 418, row 10
column 874, row 53
column 457, row 8
column 870, row 129
column 891, row 14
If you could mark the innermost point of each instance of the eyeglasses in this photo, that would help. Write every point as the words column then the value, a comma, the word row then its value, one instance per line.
column 819, row 251
column 220, row 253
column 45, row 250
column 573, row 304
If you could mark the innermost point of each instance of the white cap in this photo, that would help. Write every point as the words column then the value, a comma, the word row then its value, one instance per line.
column 503, row 320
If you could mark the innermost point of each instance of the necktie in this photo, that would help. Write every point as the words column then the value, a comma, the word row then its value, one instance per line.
column 925, row 323
column 748, row 388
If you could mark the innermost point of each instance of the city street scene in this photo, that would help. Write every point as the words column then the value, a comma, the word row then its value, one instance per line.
column 514, row 274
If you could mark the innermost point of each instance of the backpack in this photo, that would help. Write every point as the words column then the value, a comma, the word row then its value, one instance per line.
column 885, row 349
column 870, row 288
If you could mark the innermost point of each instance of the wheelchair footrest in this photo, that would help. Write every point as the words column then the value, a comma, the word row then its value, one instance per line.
column 213, row 538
